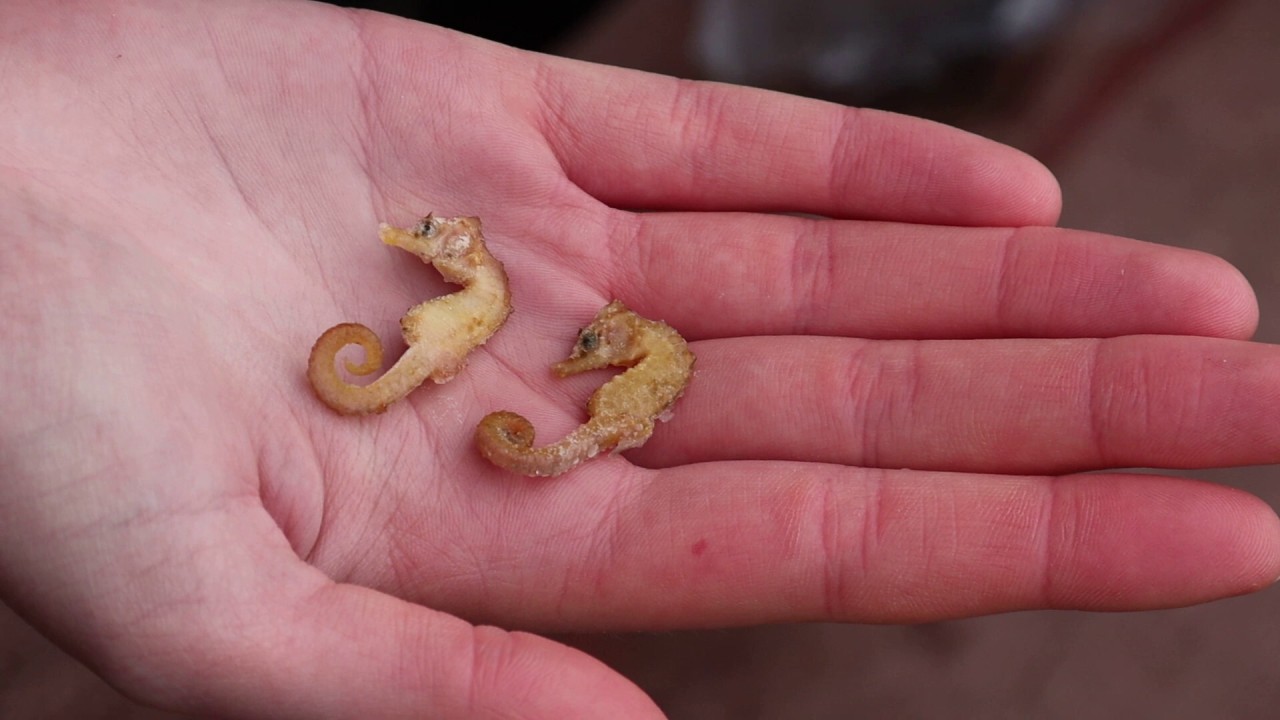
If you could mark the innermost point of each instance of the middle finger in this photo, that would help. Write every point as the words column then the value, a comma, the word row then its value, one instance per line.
column 718, row 275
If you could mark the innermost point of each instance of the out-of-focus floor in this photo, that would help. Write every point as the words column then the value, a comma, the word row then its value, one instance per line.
column 1162, row 120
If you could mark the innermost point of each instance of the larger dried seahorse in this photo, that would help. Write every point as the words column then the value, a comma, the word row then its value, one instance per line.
column 622, row 411
column 440, row 332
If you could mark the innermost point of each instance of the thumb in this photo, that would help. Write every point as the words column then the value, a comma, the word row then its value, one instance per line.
column 345, row 651
column 309, row 648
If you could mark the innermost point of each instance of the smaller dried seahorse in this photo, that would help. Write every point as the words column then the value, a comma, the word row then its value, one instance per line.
column 440, row 332
column 622, row 411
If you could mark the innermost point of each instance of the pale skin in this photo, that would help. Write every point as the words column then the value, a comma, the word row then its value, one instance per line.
column 188, row 204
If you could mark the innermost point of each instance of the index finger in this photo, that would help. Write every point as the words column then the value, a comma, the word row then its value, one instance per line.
column 638, row 140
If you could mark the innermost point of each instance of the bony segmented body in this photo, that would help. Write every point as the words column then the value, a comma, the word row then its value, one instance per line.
column 623, row 410
column 439, row 332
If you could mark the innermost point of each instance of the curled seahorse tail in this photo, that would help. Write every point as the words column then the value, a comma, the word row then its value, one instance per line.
column 341, row 395
column 325, row 350
column 504, row 429
column 506, row 440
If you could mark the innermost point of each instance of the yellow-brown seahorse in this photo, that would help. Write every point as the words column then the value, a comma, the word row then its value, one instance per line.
column 623, row 410
column 440, row 332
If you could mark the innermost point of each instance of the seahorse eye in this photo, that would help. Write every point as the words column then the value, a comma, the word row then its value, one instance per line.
column 427, row 227
column 588, row 340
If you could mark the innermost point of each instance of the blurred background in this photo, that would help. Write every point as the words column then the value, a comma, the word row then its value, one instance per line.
column 1161, row 118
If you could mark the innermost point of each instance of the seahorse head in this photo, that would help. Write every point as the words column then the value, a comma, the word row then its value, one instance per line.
column 435, row 238
column 610, row 339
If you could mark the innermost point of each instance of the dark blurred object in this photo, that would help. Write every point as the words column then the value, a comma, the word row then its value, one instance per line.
column 532, row 26
column 864, row 48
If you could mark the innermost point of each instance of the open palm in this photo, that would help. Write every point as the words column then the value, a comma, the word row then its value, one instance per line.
column 191, row 192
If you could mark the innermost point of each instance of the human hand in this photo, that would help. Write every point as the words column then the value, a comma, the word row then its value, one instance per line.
column 190, row 197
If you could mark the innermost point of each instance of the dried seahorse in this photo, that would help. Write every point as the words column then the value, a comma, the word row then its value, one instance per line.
column 622, row 411
column 440, row 332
